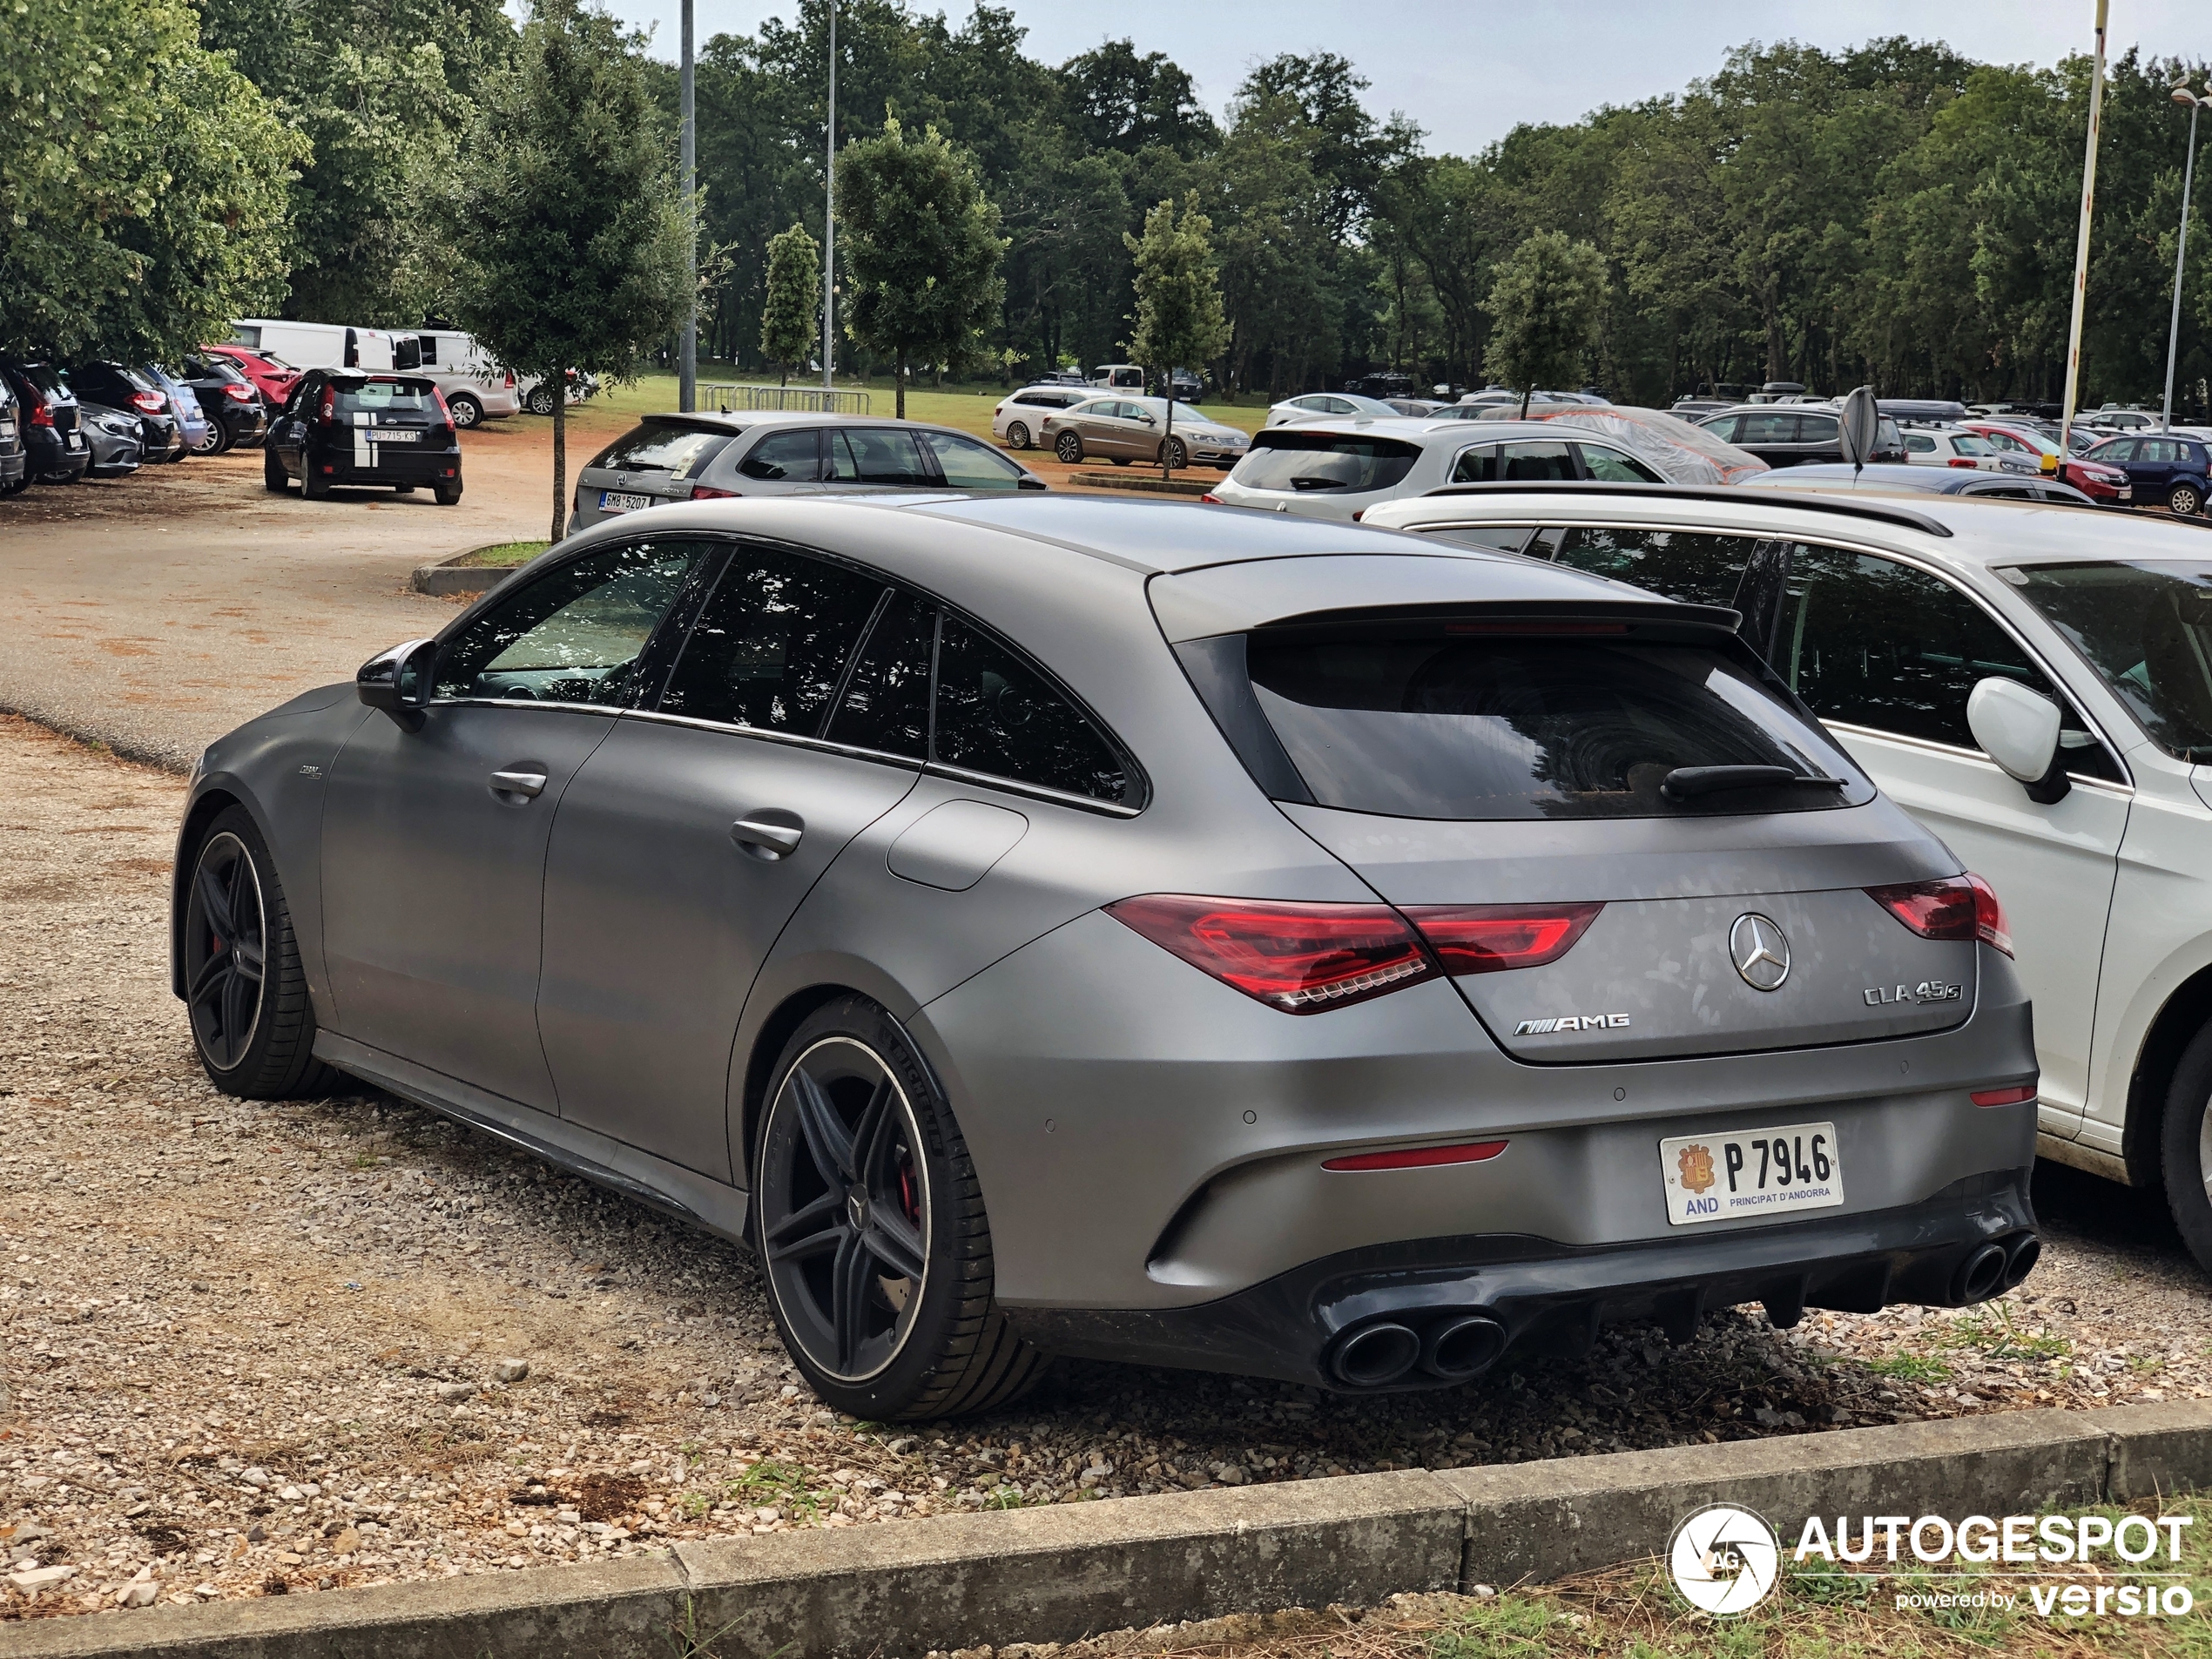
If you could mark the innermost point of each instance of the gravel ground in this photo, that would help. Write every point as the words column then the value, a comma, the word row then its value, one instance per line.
column 255, row 1349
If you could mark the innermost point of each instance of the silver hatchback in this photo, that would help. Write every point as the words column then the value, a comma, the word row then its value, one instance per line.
column 716, row 457
column 1142, row 930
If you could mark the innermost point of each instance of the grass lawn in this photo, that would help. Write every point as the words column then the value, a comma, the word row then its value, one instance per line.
column 506, row 554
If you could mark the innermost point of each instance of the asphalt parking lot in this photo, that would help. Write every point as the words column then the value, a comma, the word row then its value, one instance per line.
column 255, row 1348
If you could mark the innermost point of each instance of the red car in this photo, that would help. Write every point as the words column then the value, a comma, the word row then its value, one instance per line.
column 272, row 375
column 2103, row 483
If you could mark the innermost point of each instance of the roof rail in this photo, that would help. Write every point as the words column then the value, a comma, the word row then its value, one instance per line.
column 1903, row 517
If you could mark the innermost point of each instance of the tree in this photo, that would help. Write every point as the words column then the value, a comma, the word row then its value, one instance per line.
column 143, row 187
column 1545, row 309
column 1178, row 299
column 573, row 238
column 788, row 323
column 922, row 248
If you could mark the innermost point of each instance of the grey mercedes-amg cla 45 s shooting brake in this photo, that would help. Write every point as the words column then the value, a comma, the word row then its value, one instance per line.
column 1167, row 935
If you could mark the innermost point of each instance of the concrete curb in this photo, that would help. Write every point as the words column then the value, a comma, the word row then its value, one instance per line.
column 1054, row 1574
column 449, row 576
column 1140, row 482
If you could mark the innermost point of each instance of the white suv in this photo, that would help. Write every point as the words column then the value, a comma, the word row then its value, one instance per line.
column 2034, row 684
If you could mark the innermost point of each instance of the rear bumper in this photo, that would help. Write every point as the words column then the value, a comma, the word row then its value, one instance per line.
column 1969, row 1241
column 394, row 465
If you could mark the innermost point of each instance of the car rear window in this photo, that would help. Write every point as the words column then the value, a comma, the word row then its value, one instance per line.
column 680, row 451
column 379, row 397
column 1419, row 722
column 1292, row 460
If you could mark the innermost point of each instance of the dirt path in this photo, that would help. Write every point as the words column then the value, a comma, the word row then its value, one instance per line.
column 247, row 1347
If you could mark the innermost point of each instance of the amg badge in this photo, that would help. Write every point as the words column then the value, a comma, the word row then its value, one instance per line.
column 1572, row 1023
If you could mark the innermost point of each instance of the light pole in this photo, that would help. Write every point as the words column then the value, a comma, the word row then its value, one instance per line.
column 2181, row 95
column 2081, row 239
column 829, row 226
column 687, row 373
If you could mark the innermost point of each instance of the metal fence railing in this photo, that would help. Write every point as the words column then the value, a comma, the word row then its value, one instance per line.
column 726, row 397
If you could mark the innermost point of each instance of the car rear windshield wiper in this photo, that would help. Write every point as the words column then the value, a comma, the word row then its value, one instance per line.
column 1313, row 481
column 1685, row 782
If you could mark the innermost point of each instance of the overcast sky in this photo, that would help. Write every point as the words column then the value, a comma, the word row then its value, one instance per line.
column 1468, row 71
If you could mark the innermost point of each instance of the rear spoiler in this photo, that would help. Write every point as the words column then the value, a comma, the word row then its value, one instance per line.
column 1885, row 513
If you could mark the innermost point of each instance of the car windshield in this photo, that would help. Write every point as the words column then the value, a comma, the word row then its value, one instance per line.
column 1413, row 723
column 2147, row 629
column 380, row 397
column 1286, row 458
column 680, row 451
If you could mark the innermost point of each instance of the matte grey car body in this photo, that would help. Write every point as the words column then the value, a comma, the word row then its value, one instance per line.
column 564, row 891
column 707, row 456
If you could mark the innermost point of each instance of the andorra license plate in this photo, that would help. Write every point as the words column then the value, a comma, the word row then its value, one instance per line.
column 614, row 500
column 1752, row 1176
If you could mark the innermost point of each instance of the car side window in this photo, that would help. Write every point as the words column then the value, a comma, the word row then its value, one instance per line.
column 1869, row 642
column 968, row 464
column 1685, row 565
column 772, row 642
column 886, row 705
column 1476, row 466
column 1726, row 428
column 1816, row 428
column 2119, row 449
column 996, row 714
column 1610, row 466
column 576, row 635
column 2159, row 451
column 1770, row 427
column 870, row 455
column 784, row 457
column 1542, row 463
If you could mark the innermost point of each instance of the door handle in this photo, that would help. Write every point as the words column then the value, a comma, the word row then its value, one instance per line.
column 764, row 838
column 531, row 784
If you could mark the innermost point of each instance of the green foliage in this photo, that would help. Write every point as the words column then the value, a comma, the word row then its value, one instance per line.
column 921, row 246
column 1991, row 1329
column 1909, row 1367
column 791, row 320
column 1511, row 1627
column 1545, row 309
column 142, row 183
column 572, row 243
column 1178, row 291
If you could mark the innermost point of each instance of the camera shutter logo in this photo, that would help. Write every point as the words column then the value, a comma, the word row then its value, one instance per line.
column 1724, row 1560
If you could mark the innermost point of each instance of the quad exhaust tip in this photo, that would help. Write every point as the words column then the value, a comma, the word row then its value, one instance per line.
column 2021, row 1259
column 1453, row 1348
column 1376, row 1354
column 1458, row 1349
column 1980, row 1276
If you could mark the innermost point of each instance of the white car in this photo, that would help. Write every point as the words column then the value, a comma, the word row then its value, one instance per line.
column 1341, row 468
column 1121, row 428
column 477, row 388
column 1319, row 405
column 1019, row 419
column 1944, row 446
column 2034, row 684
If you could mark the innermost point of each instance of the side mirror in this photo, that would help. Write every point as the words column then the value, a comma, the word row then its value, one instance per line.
column 398, row 681
column 1030, row 480
column 2019, row 729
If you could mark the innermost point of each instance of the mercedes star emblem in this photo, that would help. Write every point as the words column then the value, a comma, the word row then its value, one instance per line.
column 1760, row 950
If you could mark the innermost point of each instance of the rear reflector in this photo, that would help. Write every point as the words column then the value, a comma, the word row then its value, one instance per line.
column 2018, row 1097
column 1299, row 958
column 1425, row 1157
column 1959, row 907
column 1487, row 938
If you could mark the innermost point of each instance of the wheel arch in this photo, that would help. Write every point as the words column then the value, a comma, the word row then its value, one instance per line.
column 760, row 1060
column 2179, row 1019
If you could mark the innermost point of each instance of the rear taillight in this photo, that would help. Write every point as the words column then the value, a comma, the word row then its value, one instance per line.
column 236, row 393
column 510, row 380
column 146, row 402
column 1420, row 1158
column 1964, row 460
column 328, row 411
column 438, row 396
column 1299, row 958
column 707, row 492
column 1486, row 939
column 1960, row 907
column 42, row 412
column 1211, row 499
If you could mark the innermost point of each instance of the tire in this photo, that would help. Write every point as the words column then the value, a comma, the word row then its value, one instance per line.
column 1121, row 461
column 852, row 1107
column 1017, row 436
column 449, row 496
column 312, row 485
column 1173, row 455
column 466, row 411
column 540, row 401
column 2185, row 1147
column 247, row 1002
column 272, row 475
column 1070, row 447
column 2185, row 501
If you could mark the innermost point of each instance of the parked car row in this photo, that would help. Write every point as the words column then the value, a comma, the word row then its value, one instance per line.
column 59, row 424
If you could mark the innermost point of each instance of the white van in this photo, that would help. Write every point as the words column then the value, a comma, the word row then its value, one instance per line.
column 475, row 387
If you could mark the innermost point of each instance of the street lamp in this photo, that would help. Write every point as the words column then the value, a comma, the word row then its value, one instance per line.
column 2180, row 95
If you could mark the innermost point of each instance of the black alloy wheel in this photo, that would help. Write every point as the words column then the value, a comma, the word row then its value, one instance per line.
column 226, row 933
column 2184, row 500
column 1017, row 436
column 870, row 1227
column 1070, row 447
column 246, row 993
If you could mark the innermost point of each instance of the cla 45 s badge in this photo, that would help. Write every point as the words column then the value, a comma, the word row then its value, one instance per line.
column 1928, row 990
column 1572, row 1023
